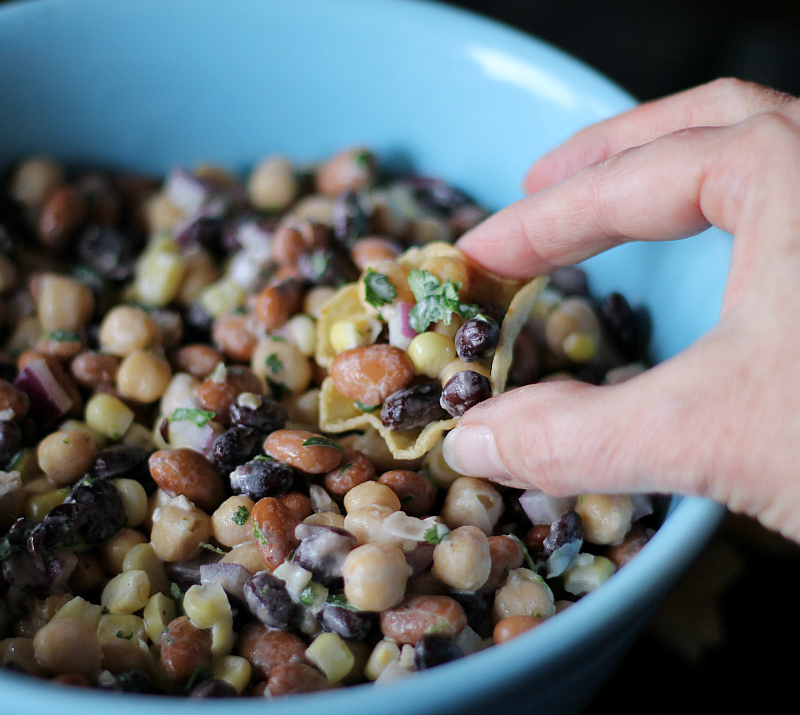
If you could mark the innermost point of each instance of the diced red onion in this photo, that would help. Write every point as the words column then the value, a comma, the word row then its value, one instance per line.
column 400, row 332
column 542, row 508
column 185, row 433
column 186, row 191
column 642, row 506
column 232, row 577
column 49, row 401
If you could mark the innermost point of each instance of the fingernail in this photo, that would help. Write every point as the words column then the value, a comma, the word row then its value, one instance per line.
column 472, row 451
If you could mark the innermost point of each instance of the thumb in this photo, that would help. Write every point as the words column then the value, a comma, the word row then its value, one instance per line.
column 649, row 434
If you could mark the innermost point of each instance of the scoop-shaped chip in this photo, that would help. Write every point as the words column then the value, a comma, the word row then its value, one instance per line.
column 338, row 413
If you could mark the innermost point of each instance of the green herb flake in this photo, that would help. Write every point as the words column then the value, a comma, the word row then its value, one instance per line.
column 175, row 592
column 63, row 336
column 525, row 553
column 259, row 535
column 366, row 408
column 339, row 599
column 345, row 468
column 7, row 549
column 320, row 441
column 435, row 301
column 199, row 674
column 278, row 388
column 120, row 634
column 378, row 290
column 240, row 516
column 274, row 364
column 407, row 498
column 307, row 596
column 435, row 534
column 263, row 458
column 213, row 548
column 200, row 417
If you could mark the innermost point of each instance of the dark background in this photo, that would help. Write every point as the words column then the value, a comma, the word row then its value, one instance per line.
column 725, row 638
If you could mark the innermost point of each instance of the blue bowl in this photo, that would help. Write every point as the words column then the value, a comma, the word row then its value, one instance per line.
column 148, row 84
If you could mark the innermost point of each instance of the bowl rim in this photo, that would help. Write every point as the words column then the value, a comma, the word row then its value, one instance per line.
column 690, row 524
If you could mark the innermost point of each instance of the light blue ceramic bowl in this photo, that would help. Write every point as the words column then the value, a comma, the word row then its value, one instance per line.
column 147, row 84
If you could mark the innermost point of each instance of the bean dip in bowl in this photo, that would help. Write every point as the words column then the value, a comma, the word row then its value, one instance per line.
column 155, row 88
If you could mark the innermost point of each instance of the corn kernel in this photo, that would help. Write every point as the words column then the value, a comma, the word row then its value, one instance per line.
column 138, row 435
column 81, row 610
column 157, row 615
column 126, row 593
column 330, row 654
column 222, row 297
column 383, row 653
column 121, row 626
column 207, row 605
column 587, row 573
column 302, row 330
column 108, row 415
column 134, row 499
column 159, row 274
column 579, row 347
column 233, row 669
column 37, row 506
column 353, row 333
column 431, row 353
column 143, row 557
column 222, row 638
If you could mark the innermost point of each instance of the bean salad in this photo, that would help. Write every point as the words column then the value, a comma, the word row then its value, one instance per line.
column 213, row 392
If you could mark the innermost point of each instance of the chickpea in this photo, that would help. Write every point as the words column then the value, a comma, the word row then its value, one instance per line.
column 375, row 576
column 462, row 559
column 326, row 518
column 245, row 554
column 369, row 251
column 511, row 627
column 273, row 527
column 125, row 329
column 201, row 272
column 371, row 373
column 62, row 303
column 431, row 353
column 114, row 550
column 35, row 180
column 266, row 649
column 290, row 446
column 143, row 376
column 447, row 268
column 120, row 655
column 606, row 517
column 416, row 494
column 184, row 471
column 472, row 501
column 184, row 646
column 92, row 369
column 232, row 335
column 66, row 456
column 366, row 524
column 67, row 645
column 272, row 185
column 458, row 365
column 89, row 573
column 371, row 494
column 281, row 365
column 417, row 615
column 197, row 359
column 524, row 594
column 356, row 469
column 572, row 330
column 177, row 534
column 351, row 169
column 232, row 522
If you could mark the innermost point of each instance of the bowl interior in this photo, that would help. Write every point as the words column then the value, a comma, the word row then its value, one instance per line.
column 148, row 84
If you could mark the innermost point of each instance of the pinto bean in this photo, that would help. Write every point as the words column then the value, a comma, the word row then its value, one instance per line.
column 369, row 374
column 417, row 615
column 291, row 446
column 184, row 471
column 273, row 526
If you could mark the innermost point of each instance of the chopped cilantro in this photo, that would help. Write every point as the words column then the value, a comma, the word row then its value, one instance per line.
column 435, row 534
column 241, row 515
column 366, row 408
column 526, row 554
column 339, row 599
column 200, row 673
column 213, row 548
column 274, row 364
column 259, row 535
column 278, row 388
column 120, row 634
column 379, row 291
column 345, row 468
column 307, row 596
column 435, row 301
column 200, row 417
column 63, row 336
column 263, row 458
column 407, row 498
column 175, row 592
column 320, row 441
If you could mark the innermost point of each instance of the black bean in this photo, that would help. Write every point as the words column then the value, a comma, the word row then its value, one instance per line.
column 413, row 407
column 204, row 232
column 620, row 322
column 106, row 512
column 23, row 574
column 351, row 220
column 261, row 478
column 464, row 390
column 438, row 196
column 124, row 461
column 14, row 230
column 10, row 441
column 197, row 324
column 269, row 601
column 268, row 417
column 563, row 543
column 322, row 550
column 477, row 339
column 213, row 689
column 129, row 681
column 326, row 267
column 434, row 649
column 570, row 280
column 8, row 370
column 345, row 622
column 109, row 251
column 476, row 609
column 235, row 446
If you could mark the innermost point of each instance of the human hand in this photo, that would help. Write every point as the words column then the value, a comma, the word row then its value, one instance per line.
column 720, row 419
